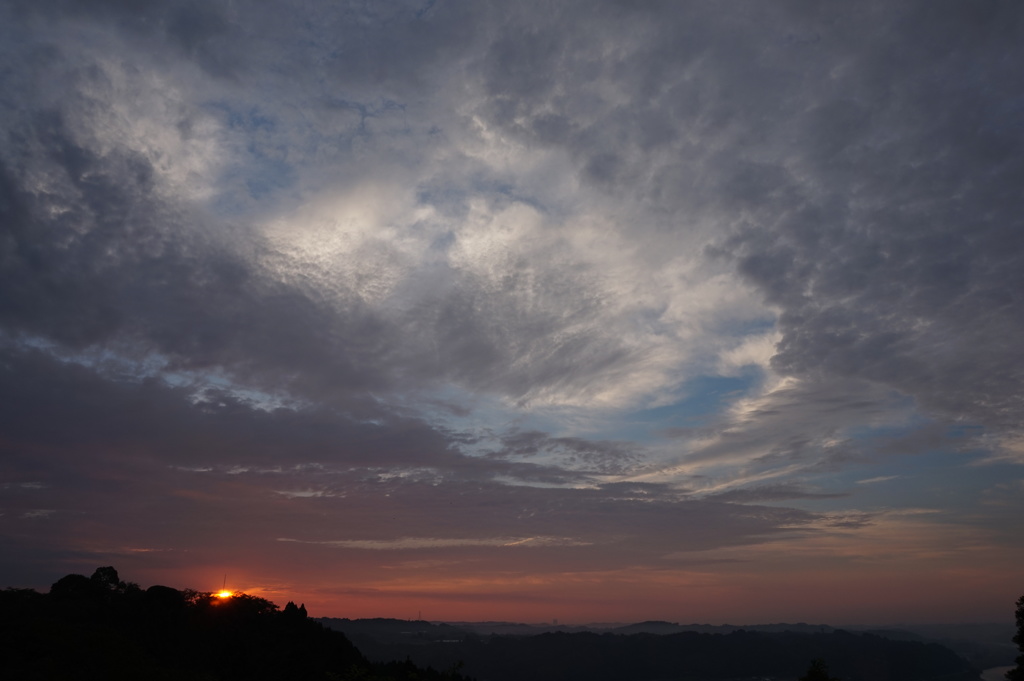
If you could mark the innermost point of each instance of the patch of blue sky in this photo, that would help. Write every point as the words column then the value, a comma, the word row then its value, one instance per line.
column 459, row 409
column 749, row 326
column 443, row 242
column 243, row 121
column 454, row 198
column 110, row 362
column 424, row 8
column 210, row 386
column 130, row 365
column 253, row 119
column 482, row 420
column 485, row 419
column 934, row 476
column 259, row 164
column 267, row 176
column 251, row 179
column 699, row 401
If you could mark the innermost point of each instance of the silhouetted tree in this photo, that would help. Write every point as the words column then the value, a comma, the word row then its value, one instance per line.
column 74, row 587
column 107, row 578
column 165, row 598
column 100, row 627
column 1017, row 673
column 818, row 671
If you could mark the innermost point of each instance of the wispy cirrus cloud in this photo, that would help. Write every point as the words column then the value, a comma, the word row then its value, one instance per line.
column 412, row 543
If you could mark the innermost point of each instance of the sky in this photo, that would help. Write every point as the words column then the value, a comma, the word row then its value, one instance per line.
column 591, row 311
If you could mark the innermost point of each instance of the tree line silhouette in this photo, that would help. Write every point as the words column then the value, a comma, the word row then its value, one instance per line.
column 100, row 627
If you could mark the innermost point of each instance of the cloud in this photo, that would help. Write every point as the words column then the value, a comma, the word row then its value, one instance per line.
column 780, row 492
column 527, row 293
column 894, row 254
column 791, row 428
column 406, row 543
column 880, row 478
column 127, row 450
column 437, row 272
column 513, row 298
column 882, row 228
column 570, row 453
column 38, row 513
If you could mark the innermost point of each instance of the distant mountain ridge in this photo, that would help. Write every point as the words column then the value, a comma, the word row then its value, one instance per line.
column 655, row 650
column 984, row 645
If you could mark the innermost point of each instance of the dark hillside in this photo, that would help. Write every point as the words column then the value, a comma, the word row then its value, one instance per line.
column 681, row 656
column 104, row 629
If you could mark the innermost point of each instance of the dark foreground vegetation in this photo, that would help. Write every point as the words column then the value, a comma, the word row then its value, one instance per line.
column 1017, row 673
column 102, row 628
column 682, row 656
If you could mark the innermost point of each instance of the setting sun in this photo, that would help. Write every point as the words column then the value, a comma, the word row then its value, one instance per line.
column 224, row 594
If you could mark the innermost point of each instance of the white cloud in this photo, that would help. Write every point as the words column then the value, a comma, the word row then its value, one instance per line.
column 412, row 543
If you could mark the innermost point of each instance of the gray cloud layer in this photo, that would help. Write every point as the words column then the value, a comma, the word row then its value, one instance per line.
column 323, row 254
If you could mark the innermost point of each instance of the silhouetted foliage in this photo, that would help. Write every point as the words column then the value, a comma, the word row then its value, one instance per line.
column 100, row 627
column 104, row 628
column 1017, row 673
column 818, row 671
column 74, row 587
column 106, row 577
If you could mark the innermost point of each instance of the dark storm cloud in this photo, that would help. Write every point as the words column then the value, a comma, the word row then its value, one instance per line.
column 869, row 159
column 99, row 256
column 196, row 30
column 380, row 42
column 73, row 408
column 116, row 263
column 644, row 97
column 902, row 262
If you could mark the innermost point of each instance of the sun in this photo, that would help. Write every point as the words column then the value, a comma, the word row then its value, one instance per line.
column 224, row 594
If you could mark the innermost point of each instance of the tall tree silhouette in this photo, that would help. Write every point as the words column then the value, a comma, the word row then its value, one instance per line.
column 1017, row 673
column 818, row 671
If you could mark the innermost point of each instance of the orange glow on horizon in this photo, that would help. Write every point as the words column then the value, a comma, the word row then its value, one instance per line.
column 835, row 575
